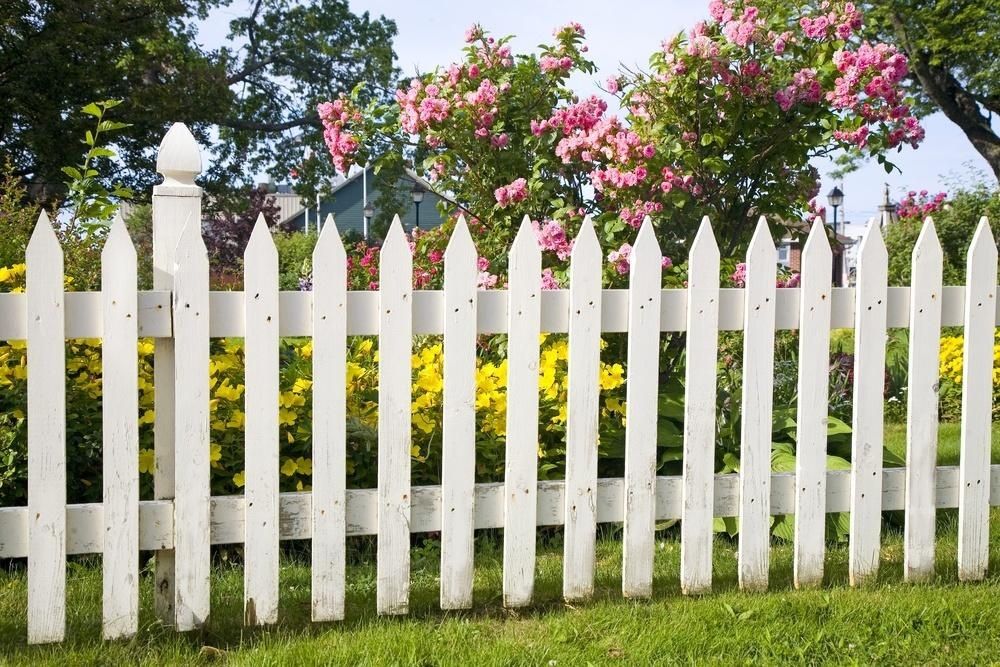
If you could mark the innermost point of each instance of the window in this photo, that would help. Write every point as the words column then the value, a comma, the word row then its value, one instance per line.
column 784, row 251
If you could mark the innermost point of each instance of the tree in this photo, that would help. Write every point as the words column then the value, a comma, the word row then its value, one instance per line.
column 724, row 124
column 954, row 52
column 250, row 103
column 227, row 232
column 955, row 220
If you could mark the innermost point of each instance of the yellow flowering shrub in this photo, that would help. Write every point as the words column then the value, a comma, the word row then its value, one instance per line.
column 951, row 367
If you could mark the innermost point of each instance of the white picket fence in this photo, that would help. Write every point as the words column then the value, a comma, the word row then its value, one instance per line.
column 184, row 520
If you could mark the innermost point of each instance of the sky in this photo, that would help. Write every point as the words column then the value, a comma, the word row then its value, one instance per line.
column 627, row 32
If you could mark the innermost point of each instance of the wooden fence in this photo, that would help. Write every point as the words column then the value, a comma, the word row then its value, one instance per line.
column 184, row 520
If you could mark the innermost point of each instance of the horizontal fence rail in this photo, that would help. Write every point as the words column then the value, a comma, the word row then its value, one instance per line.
column 85, row 521
column 226, row 319
column 185, row 520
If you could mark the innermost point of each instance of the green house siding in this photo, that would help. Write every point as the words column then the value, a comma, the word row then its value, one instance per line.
column 347, row 207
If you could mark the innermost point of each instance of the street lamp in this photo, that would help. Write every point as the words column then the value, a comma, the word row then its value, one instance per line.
column 836, row 199
column 417, row 194
column 369, row 212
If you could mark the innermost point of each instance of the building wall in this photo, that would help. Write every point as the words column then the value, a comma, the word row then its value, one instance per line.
column 347, row 207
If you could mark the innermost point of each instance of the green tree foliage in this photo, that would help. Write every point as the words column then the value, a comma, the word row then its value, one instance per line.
column 251, row 102
column 954, row 51
column 955, row 223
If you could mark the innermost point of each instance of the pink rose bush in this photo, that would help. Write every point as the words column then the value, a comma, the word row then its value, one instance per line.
column 723, row 123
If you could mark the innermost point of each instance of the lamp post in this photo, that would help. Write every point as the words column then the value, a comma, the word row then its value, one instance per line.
column 836, row 199
column 417, row 194
column 369, row 212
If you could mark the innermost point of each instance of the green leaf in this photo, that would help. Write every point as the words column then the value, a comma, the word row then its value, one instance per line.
column 101, row 152
column 93, row 110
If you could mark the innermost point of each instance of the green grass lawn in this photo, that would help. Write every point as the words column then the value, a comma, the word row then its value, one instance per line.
column 943, row 622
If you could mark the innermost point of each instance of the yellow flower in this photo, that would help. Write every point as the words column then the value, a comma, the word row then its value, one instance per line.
column 306, row 350
column 304, row 465
column 423, row 423
column 215, row 454
column 147, row 461
column 148, row 417
column 301, row 385
column 612, row 376
column 240, row 479
column 286, row 416
column 429, row 379
column 229, row 392
column 236, row 419
column 289, row 467
column 145, row 347
column 289, row 399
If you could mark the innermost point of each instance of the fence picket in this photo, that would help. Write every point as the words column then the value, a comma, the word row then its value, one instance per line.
column 458, row 447
column 395, row 343
column 120, row 406
column 46, row 436
column 192, row 552
column 813, row 407
column 977, row 403
column 582, row 412
column 175, row 201
column 698, row 466
column 922, row 405
column 641, row 410
column 329, row 437
column 755, row 414
column 521, row 456
column 869, row 383
column 260, row 293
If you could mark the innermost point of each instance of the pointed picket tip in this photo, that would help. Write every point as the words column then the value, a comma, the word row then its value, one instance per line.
column 260, row 232
column 817, row 243
column 982, row 241
column 762, row 243
column 191, row 245
column 43, row 236
column 872, row 244
column 460, row 244
column 179, row 157
column 119, row 240
column 261, row 242
column 395, row 237
column 329, row 241
column 647, row 246
column 928, row 245
column 586, row 248
column 526, row 238
column 704, row 245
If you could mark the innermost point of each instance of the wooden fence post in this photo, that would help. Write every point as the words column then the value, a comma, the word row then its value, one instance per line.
column 977, row 404
column 869, row 386
column 458, row 447
column 45, row 318
column 755, row 422
column 698, row 471
column 815, row 297
column 923, row 375
column 645, row 276
column 329, row 504
column 583, row 408
column 521, row 455
column 260, row 547
column 120, row 404
column 395, row 345
column 175, row 201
